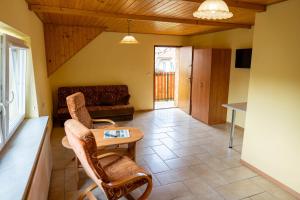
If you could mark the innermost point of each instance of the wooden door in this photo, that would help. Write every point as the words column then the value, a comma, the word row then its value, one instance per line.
column 219, row 87
column 201, row 84
column 184, row 76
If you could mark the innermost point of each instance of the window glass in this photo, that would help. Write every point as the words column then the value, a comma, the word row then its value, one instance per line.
column 12, row 86
column 16, row 92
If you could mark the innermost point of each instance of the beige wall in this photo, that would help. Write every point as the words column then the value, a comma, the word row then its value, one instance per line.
column 239, row 78
column 15, row 13
column 105, row 61
column 272, row 131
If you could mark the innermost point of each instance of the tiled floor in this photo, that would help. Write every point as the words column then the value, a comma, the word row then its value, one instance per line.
column 164, row 104
column 188, row 159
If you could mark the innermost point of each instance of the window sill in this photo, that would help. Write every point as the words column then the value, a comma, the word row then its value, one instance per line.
column 19, row 157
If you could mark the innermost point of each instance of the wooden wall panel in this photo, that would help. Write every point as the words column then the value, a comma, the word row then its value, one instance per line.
column 40, row 184
column 63, row 42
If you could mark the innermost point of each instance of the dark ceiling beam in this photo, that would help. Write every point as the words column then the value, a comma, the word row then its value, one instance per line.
column 101, row 14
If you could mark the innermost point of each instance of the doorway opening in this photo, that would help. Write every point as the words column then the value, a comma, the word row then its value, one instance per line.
column 164, row 77
column 172, row 77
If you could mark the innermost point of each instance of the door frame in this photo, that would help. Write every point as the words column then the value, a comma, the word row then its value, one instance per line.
column 153, row 75
column 191, row 81
column 192, row 69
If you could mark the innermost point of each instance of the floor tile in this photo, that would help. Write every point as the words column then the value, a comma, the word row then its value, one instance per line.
column 164, row 152
column 173, row 176
column 272, row 188
column 216, row 164
column 239, row 190
column 170, row 143
column 144, row 151
column 236, row 174
column 198, row 187
column 263, row 196
column 182, row 162
column 169, row 192
column 208, row 175
column 155, row 163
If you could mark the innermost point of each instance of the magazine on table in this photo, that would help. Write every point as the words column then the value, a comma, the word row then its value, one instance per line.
column 123, row 133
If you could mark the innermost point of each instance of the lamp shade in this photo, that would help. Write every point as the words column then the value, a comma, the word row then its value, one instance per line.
column 129, row 39
column 213, row 9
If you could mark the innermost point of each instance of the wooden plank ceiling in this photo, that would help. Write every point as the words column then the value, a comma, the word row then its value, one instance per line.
column 172, row 17
column 71, row 24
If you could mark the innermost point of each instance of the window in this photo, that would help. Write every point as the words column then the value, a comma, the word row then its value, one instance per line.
column 13, row 57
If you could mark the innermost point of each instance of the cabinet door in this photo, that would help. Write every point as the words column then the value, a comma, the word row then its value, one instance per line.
column 219, row 85
column 201, row 84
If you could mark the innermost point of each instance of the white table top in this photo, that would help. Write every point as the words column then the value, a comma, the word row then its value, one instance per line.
column 237, row 106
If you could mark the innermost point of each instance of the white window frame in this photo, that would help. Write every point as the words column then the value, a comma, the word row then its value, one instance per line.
column 7, row 129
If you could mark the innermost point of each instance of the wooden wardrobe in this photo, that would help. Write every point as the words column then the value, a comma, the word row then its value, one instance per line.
column 210, row 84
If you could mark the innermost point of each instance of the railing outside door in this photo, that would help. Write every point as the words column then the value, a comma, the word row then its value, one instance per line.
column 164, row 87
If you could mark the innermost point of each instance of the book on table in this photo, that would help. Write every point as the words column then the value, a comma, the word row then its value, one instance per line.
column 123, row 133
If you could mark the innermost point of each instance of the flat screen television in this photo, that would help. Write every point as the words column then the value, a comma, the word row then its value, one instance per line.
column 243, row 58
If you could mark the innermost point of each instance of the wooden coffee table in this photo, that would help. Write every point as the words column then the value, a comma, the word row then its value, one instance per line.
column 106, row 145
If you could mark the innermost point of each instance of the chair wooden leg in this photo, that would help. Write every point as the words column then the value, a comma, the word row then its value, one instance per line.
column 87, row 192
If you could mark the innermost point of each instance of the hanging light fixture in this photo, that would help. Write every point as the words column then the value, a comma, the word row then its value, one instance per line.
column 129, row 39
column 213, row 9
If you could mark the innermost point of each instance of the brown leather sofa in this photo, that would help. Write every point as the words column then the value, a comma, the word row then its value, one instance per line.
column 106, row 101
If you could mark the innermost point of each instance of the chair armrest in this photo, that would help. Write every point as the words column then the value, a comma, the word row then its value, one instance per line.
column 104, row 120
column 106, row 155
column 129, row 179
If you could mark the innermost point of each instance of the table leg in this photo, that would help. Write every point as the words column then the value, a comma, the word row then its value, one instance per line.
column 77, row 171
column 232, row 128
column 131, row 150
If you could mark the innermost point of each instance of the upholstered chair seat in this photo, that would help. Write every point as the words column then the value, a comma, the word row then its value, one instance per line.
column 115, row 174
column 119, row 167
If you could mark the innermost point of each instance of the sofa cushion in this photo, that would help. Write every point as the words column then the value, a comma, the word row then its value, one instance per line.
column 123, row 100
column 102, row 111
column 92, row 94
column 107, row 111
column 107, row 99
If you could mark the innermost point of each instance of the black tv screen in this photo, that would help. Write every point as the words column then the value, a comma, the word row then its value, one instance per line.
column 243, row 58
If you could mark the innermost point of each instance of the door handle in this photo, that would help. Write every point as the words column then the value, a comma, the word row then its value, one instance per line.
column 12, row 99
column 201, row 84
column 3, row 108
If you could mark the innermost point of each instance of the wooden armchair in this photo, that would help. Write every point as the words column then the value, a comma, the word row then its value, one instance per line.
column 78, row 111
column 114, row 174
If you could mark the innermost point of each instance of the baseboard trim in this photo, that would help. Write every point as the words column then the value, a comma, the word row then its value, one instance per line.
column 143, row 110
column 269, row 178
